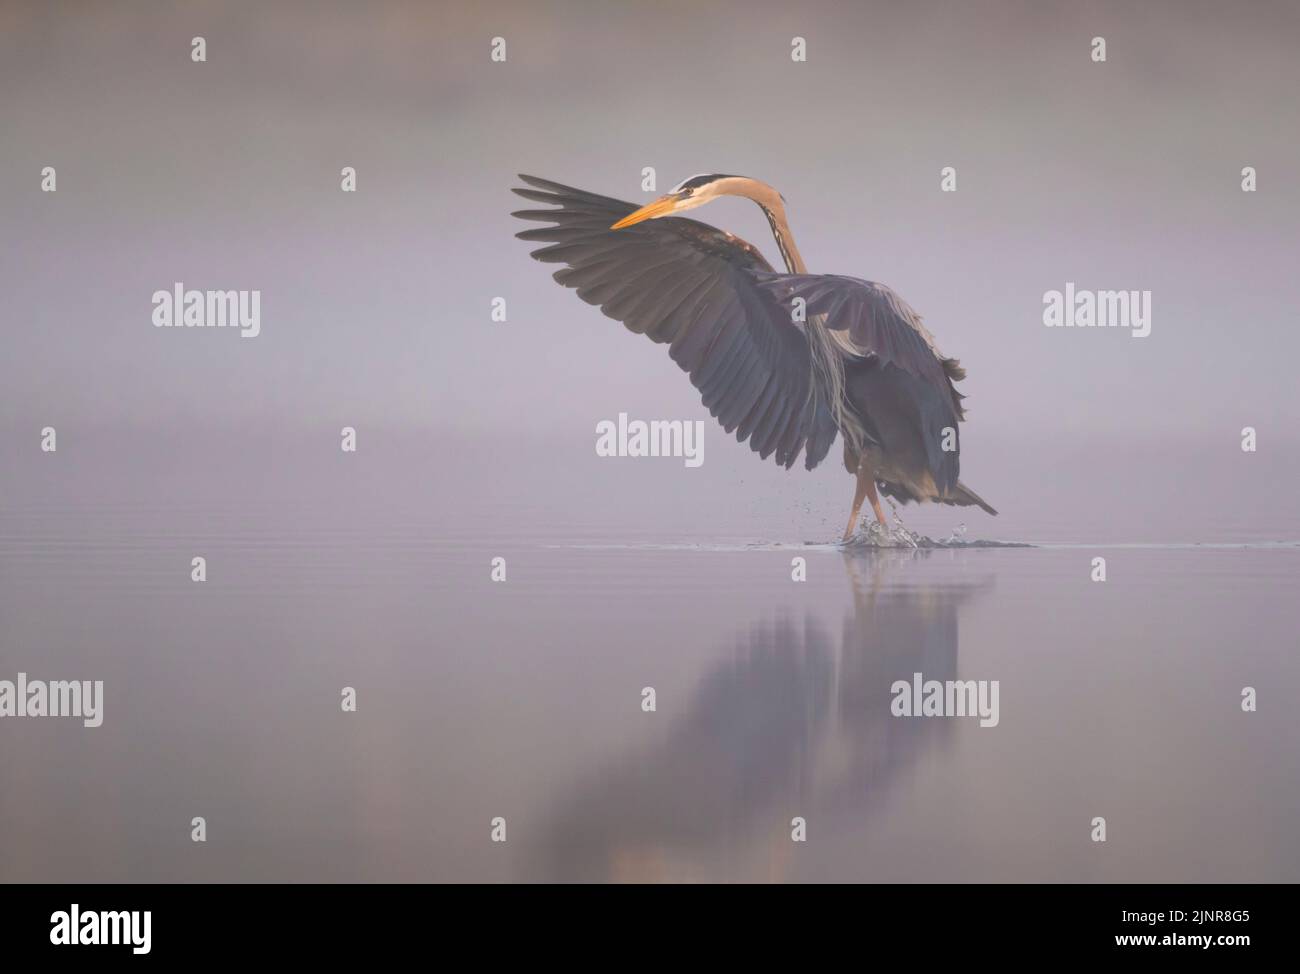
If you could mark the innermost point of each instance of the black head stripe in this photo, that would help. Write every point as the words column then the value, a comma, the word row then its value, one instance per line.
column 695, row 182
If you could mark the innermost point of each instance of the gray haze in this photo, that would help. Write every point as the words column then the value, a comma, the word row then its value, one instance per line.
column 475, row 441
column 375, row 305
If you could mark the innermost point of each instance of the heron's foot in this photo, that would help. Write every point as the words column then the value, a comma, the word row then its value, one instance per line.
column 868, row 532
column 876, row 533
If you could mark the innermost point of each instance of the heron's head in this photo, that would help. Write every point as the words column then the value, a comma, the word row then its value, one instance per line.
column 699, row 190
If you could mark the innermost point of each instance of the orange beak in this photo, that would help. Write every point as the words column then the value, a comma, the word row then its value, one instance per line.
column 664, row 204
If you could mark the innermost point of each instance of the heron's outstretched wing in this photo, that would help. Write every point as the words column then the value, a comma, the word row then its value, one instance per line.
column 691, row 286
column 876, row 320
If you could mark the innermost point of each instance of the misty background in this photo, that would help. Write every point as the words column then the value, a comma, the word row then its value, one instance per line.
column 225, row 174
column 475, row 440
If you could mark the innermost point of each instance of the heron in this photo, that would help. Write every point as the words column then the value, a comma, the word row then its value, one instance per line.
column 786, row 361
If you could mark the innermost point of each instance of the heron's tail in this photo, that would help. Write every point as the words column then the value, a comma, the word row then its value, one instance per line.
column 963, row 496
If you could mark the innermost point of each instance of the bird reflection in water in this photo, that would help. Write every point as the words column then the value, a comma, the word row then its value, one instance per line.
column 792, row 725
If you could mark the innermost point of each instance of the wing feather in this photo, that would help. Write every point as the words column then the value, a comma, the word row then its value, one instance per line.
column 697, row 289
column 874, row 319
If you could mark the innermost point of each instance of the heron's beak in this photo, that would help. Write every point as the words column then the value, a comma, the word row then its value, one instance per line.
column 661, row 206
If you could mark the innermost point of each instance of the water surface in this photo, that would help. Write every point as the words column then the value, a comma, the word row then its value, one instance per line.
column 522, row 699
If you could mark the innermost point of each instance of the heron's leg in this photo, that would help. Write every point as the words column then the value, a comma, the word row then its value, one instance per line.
column 866, row 489
column 875, row 500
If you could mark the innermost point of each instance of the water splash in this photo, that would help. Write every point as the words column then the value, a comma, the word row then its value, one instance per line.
column 873, row 534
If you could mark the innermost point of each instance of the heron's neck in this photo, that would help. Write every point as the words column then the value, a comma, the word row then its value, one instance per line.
column 773, row 207
column 784, row 238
